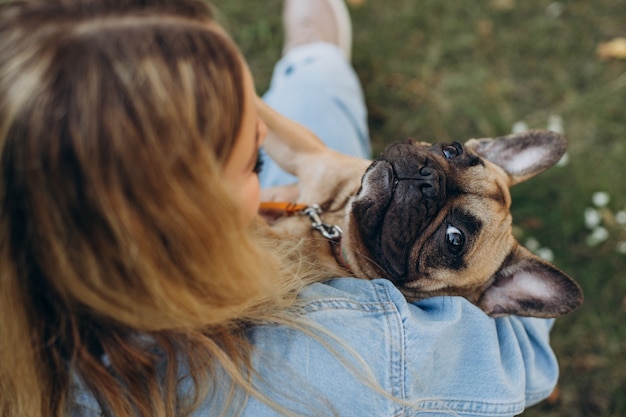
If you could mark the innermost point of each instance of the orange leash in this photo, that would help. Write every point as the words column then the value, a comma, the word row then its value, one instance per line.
column 331, row 232
column 280, row 208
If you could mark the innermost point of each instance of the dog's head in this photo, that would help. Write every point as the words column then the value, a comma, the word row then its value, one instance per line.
column 435, row 220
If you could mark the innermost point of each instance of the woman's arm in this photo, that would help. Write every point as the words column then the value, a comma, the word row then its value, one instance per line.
column 300, row 152
column 476, row 364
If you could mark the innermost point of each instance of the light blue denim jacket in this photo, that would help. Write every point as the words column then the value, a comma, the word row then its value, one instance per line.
column 374, row 354
column 437, row 357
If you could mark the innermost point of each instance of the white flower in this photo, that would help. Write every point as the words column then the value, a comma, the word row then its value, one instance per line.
column 592, row 218
column 519, row 127
column 546, row 254
column 620, row 217
column 555, row 9
column 597, row 236
column 621, row 248
column 555, row 122
column 600, row 198
column 532, row 244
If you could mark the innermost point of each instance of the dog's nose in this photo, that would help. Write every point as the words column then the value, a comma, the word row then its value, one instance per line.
column 429, row 182
column 426, row 179
column 415, row 170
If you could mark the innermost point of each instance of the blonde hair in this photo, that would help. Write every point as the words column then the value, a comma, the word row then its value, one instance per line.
column 118, row 239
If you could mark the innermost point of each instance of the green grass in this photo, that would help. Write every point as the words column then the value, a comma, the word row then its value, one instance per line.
column 444, row 70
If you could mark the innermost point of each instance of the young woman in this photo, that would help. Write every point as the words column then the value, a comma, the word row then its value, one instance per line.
column 133, row 281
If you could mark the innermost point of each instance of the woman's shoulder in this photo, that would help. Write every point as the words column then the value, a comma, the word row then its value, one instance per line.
column 360, row 346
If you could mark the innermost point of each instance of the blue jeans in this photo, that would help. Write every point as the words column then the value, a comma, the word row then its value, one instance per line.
column 316, row 86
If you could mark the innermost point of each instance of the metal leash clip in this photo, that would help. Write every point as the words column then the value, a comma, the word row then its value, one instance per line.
column 331, row 232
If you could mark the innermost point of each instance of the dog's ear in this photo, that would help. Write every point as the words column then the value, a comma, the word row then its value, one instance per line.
column 526, row 285
column 522, row 155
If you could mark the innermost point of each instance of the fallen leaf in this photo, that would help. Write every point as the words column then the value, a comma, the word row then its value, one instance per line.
column 502, row 5
column 484, row 27
column 614, row 49
column 555, row 397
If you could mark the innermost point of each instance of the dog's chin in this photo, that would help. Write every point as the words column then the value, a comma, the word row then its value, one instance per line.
column 376, row 191
column 366, row 221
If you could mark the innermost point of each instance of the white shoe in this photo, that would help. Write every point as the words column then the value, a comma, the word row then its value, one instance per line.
column 309, row 21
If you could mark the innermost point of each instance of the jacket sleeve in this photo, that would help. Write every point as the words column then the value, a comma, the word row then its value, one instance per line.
column 460, row 361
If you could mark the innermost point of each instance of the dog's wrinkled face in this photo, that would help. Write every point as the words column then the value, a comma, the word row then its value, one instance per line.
column 435, row 220
column 428, row 216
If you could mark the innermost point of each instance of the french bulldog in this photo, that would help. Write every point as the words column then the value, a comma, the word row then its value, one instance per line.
column 433, row 218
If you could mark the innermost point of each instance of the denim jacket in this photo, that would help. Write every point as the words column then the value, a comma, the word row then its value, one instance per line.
column 374, row 354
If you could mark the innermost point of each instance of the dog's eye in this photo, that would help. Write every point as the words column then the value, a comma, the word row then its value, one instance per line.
column 453, row 150
column 455, row 240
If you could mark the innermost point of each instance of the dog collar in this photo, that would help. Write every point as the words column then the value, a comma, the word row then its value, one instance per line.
column 338, row 252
